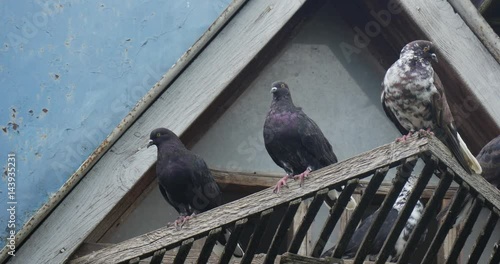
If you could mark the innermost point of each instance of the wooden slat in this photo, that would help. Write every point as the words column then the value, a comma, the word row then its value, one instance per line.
column 206, row 251
column 478, row 25
column 446, row 225
column 307, row 220
column 177, row 108
column 183, row 251
column 232, row 241
column 483, row 238
column 465, row 232
column 366, row 200
column 287, row 219
column 256, row 236
column 335, row 214
column 495, row 255
column 429, row 212
column 362, row 165
column 405, row 213
column 158, row 256
column 404, row 171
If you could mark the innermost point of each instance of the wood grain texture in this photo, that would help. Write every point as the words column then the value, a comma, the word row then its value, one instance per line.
column 363, row 165
column 177, row 108
column 478, row 25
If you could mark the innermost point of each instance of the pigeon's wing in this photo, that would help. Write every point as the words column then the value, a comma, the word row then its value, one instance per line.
column 392, row 117
column 315, row 142
column 178, row 207
column 449, row 135
column 206, row 191
column 489, row 158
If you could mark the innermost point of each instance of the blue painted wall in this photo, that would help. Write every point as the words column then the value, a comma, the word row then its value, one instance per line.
column 70, row 71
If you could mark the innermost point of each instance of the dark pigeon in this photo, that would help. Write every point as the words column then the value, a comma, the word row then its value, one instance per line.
column 185, row 180
column 294, row 141
column 386, row 227
column 413, row 98
column 489, row 158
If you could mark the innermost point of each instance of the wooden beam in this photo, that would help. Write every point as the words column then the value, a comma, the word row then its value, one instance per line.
column 478, row 25
column 245, row 180
column 361, row 165
column 177, row 108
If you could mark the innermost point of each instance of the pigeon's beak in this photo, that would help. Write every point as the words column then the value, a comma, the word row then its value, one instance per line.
column 150, row 143
column 273, row 89
column 434, row 57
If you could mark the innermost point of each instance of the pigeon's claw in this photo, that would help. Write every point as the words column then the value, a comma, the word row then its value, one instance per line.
column 280, row 183
column 404, row 137
column 423, row 132
column 302, row 176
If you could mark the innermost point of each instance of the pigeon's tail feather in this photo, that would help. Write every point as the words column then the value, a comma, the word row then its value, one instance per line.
column 221, row 243
column 469, row 158
column 333, row 195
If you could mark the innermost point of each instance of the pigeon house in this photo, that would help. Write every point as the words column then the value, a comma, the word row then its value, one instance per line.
column 333, row 55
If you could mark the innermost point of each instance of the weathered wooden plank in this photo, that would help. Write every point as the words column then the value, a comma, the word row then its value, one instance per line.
column 366, row 199
column 305, row 221
column 210, row 241
column 447, row 223
column 364, row 165
column 129, row 119
column 279, row 236
column 120, row 168
column 483, row 238
column 429, row 212
column 232, row 241
column 256, row 236
column 478, row 25
column 478, row 184
column 465, row 232
column 335, row 214
column 405, row 213
column 266, row 180
column 404, row 171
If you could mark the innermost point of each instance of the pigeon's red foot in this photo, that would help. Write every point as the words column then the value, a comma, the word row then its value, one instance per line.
column 404, row 137
column 280, row 183
column 302, row 176
column 182, row 220
column 422, row 132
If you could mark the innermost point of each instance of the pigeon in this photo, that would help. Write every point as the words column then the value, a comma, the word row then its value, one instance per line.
column 489, row 158
column 386, row 227
column 294, row 141
column 414, row 100
column 185, row 182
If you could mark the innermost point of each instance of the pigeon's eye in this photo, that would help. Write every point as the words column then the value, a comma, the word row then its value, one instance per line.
column 282, row 85
column 158, row 134
column 426, row 48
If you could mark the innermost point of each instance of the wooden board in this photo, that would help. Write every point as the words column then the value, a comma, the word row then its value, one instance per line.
column 121, row 167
